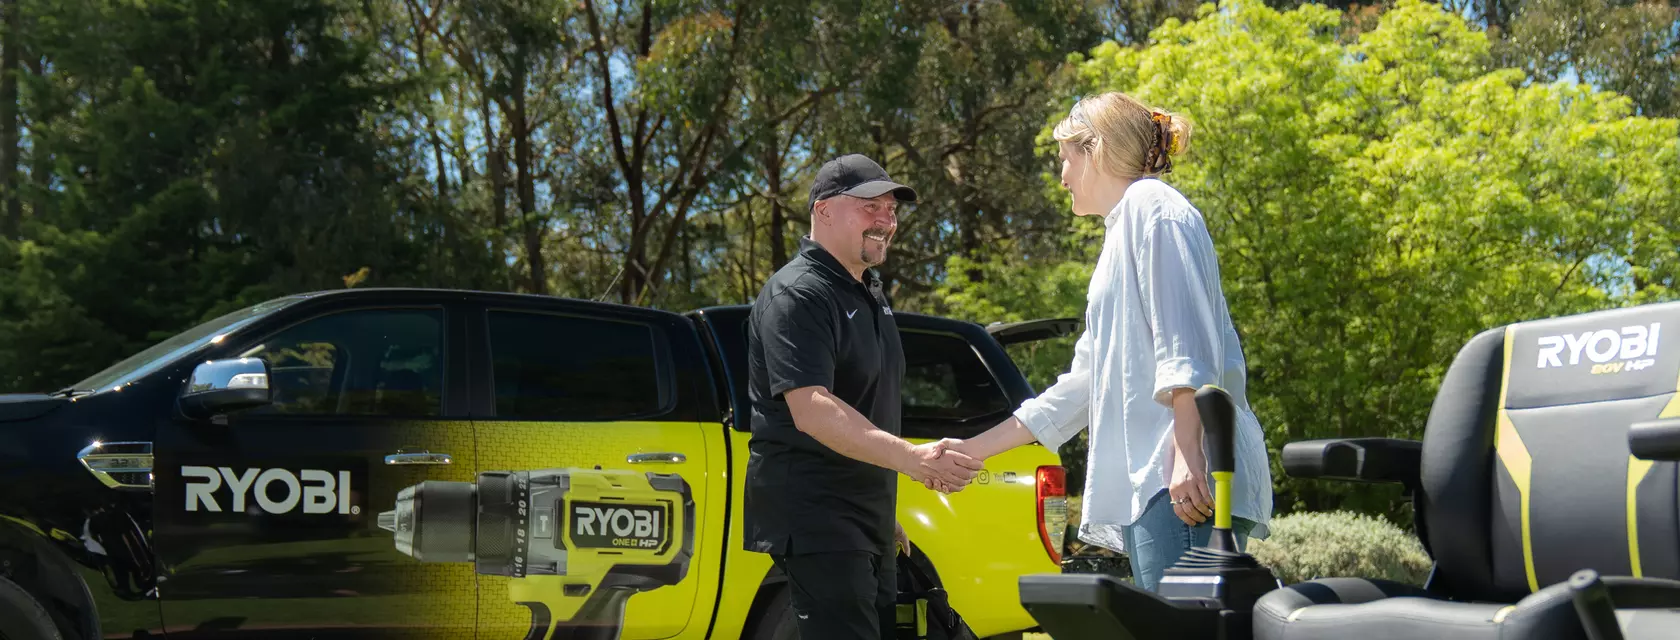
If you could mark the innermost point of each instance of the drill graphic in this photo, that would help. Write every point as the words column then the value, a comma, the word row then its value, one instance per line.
column 577, row 542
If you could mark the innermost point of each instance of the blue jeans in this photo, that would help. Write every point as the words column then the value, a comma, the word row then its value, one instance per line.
column 1158, row 538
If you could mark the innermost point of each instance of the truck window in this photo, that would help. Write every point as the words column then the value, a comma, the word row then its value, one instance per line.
column 384, row 362
column 574, row 368
column 948, row 390
column 147, row 361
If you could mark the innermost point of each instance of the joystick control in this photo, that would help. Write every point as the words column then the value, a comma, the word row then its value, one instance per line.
column 1210, row 592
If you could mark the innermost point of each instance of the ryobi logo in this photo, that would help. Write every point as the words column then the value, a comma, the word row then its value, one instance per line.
column 1631, row 349
column 633, row 526
column 318, row 491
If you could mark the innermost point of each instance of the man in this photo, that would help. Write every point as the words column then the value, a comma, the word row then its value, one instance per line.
column 825, row 365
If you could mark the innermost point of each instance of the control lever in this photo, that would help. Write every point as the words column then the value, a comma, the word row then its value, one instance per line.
column 1218, row 575
column 1592, row 604
column 1209, row 593
column 1219, row 435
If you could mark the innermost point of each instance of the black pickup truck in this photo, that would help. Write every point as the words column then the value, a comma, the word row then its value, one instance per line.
column 264, row 474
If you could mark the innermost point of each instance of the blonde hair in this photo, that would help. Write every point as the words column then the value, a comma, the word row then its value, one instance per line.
column 1124, row 137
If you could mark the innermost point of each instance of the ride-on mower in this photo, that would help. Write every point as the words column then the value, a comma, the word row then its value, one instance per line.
column 1546, row 490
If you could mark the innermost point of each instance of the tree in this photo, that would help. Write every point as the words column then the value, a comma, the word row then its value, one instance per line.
column 954, row 111
column 1630, row 47
column 204, row 155
column 11, row 53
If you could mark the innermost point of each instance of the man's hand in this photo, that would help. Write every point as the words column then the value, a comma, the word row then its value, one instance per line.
column 960, row 447
column 939, row 468
column 901, row 538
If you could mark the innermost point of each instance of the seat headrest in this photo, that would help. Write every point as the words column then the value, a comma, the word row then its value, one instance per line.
column 1617, row 354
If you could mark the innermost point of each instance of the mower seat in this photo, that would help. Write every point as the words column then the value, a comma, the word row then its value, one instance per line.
column 1529, row 470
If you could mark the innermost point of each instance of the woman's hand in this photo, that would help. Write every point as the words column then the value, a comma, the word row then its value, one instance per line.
column 1189, row 489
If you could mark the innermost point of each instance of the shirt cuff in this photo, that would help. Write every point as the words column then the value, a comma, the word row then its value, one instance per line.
column 1042, row 425
column 1173, row 373
column 790, row 383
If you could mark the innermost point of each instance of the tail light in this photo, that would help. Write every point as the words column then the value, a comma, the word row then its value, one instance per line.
column 1051, row 485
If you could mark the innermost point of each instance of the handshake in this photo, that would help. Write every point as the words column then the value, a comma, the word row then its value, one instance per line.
column 943, row 466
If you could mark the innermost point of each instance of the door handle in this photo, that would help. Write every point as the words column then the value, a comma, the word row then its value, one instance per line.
column 418, row 458
column 638, row 458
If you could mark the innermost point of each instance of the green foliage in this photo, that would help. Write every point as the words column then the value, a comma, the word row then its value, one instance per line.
column 1381, row 184
column 1377, row 202
column 1304, row 546
column 196, row 156
column 1631, row 47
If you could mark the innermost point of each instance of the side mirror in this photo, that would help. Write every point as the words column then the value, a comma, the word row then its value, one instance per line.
column 224, row 386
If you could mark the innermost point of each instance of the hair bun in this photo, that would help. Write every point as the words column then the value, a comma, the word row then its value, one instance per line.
column 1124, row 137
column 1175, row 131
column 1179, row 127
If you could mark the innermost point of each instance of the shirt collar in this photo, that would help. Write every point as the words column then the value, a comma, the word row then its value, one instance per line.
column 1113, row 215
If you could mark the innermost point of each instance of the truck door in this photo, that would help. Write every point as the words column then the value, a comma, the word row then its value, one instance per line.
column 269, row 519
column 602, row 420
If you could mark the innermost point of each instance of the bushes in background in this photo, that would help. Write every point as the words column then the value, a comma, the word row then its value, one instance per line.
column 1304, row 546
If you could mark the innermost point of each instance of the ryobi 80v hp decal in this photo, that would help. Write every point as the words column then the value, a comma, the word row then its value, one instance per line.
column 577, row 542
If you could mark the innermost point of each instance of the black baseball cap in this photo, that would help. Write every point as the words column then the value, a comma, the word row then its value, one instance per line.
column 856, row 175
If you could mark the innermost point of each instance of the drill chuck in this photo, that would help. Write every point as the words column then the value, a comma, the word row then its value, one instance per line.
column 445, row 509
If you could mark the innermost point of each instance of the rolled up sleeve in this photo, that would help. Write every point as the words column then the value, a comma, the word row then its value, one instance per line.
column 1178, row 265
column 1063, row 410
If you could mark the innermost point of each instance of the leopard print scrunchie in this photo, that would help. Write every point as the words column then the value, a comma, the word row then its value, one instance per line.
column 1159, row 158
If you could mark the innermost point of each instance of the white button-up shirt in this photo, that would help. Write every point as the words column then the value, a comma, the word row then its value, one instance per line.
column 1155, row 320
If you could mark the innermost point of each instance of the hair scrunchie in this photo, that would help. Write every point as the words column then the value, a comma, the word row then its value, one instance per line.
column 1159, row 158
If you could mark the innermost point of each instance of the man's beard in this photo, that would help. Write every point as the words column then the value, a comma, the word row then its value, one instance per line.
column 885, row 241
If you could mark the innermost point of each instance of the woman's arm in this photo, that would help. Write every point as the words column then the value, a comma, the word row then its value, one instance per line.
column 1180, row 270
column 1006, row 435
column 1053, row 418
column 1189, row 478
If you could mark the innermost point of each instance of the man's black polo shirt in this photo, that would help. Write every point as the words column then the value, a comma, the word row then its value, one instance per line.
column 813, row 324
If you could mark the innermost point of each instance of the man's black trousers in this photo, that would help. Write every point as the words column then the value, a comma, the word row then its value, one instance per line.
column 845, row 595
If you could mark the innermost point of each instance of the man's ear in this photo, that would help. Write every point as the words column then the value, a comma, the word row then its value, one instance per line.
column 820, row 212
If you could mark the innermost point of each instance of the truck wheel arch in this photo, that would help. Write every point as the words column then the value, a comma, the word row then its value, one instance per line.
column 50, row 577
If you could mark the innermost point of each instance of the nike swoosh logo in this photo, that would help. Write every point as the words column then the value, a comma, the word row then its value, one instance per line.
column 851, row 313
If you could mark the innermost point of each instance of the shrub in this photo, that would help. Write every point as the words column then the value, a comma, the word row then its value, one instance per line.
column 1304, row 546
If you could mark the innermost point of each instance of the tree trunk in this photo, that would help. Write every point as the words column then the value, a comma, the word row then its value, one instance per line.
column 968, row 220
column 527, row 185
column 778, row 218
column 496, row 162
column 40, row 166
column 11, row 219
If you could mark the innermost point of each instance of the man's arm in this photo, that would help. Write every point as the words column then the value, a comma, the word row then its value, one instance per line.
column 840, row 427
column 796, row 331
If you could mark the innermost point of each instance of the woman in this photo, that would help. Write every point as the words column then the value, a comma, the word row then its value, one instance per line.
column 1156, row 330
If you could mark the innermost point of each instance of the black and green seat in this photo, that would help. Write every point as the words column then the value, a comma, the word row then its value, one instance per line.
column 1524, row 476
